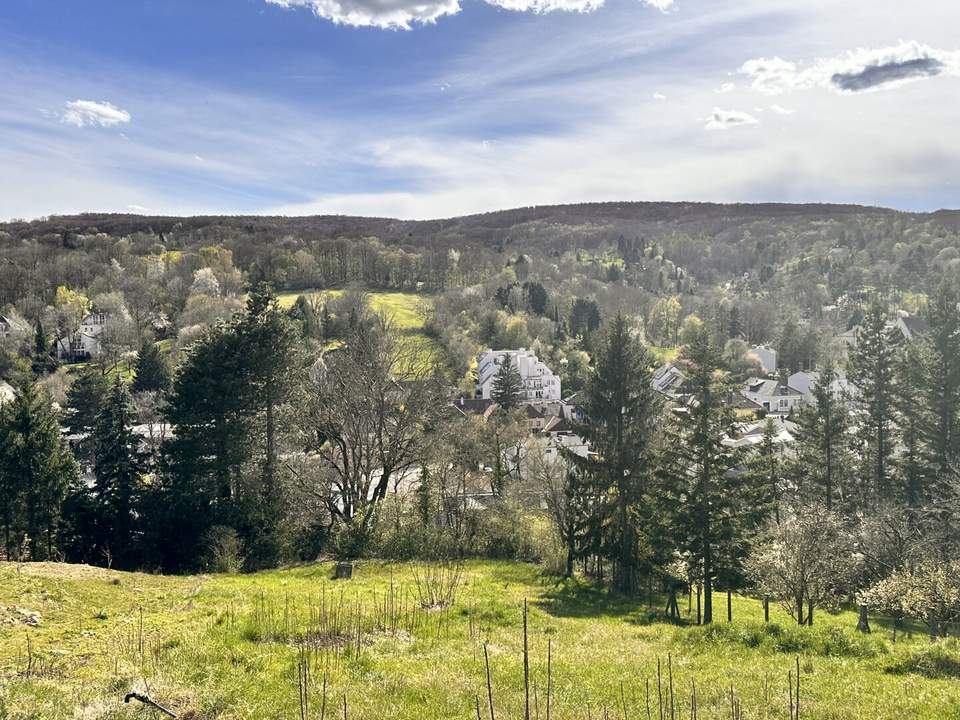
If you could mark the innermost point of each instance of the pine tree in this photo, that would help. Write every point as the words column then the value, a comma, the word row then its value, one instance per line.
column 913, row 463
column 117, row 489
column 871, row 370
column 713, row 506
column 152, row 374
column 507, row 385
column 622, row 410
column 42, row 358
column 36, row 468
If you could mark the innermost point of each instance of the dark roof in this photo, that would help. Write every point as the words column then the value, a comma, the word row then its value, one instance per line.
column 473, row 406
column 916, row 324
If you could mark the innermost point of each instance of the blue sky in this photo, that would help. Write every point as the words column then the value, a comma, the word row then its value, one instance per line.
column 432, row 108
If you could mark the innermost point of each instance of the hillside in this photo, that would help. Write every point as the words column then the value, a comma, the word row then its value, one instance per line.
column 229, row 646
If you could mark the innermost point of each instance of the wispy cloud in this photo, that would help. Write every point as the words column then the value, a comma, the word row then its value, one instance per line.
column 726, row 119
column 86, row 113
column 780, row 110
column 404, row 14
column 857, row 71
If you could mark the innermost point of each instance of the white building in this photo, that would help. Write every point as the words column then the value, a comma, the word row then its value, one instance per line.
column 767, row 357
column 83, row 344
column 775, row 397
column 539, row 382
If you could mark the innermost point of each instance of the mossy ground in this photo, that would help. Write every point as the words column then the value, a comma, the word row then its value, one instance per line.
column 226, row 646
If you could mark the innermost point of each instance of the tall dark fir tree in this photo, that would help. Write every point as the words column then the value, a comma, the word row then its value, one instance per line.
column 507, row 385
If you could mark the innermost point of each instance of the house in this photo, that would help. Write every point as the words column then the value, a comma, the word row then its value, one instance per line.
column 6, row 326
column 7, row 393
column 84, row 343
column 806, row 381
column 772, row 395
column 767, row 357
column 669, row 380
column 539, row 382
column 911, row 326
column 745, row 435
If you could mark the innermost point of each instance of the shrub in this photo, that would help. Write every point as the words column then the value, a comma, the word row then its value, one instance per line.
column 221, row 550
column 937, row 660
column 771, row 637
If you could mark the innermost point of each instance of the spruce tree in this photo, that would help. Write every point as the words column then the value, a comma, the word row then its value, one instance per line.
column 913, row 462
column 118, row 486
column 152, row 374
column 84, row 398
column 507, row 385
column 36, row 468
column 941, row 387
column 871, row 370
column 823, row 460
column 713, row 506
column 621, row 410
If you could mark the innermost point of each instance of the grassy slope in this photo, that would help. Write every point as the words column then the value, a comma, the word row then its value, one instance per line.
column 207, row 647
column 405, row 310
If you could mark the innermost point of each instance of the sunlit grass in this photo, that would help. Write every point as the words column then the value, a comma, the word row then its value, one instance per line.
column 208, row 646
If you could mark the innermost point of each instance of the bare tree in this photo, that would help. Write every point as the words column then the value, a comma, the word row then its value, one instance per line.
column 369, row 418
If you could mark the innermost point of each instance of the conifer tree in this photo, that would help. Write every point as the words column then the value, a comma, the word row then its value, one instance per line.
column 84, row 398
column 713, row 506
column 152, row 374
column 871, row 370
column 118, row 487
column 621, row 408
column 36, row 468
column 507, row 385
column 823, row 460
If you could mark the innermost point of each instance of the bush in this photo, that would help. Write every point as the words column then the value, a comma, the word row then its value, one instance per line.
column 828, row 642
column 221, row 550
column 938, row 660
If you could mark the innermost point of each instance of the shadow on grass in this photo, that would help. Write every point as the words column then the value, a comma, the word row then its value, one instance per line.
column 578, row 598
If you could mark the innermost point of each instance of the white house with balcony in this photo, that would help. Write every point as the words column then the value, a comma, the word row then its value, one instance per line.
column 539, row 382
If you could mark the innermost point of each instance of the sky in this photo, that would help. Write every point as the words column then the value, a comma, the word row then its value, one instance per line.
column 435, row 108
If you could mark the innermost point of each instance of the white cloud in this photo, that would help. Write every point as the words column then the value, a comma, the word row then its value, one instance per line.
column 659, row 96
column 726, row 119
column 403, row 14
column 725, row 88
column 84, row 113
column 857, row 71
column 780, row 110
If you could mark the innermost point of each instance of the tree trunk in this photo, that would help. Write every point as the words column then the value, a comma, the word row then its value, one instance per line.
column 729, row 605
column 570, row 557
column 863, row 623
column 699, row 591
column 810, row 612
column 799, row 601
column 766, row 609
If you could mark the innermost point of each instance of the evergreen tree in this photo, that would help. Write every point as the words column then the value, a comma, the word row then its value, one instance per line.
column 712, row 505
column 941, row 387
column 507, row 385
column 621, row 408
column 152, row 374
column 84, row 398
column 871, row 370
column 822, row 462
column 36, row 468
column 118, row 486
column 912, row 462
column 767, row 465
column 42, row 355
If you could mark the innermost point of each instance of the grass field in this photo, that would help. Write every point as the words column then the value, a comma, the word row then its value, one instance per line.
column 405, row 310
column 229, row 646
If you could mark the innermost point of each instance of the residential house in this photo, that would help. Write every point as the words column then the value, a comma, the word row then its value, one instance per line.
column 746, row 435
column 7, row 393
column 539, row 382
column 773, row 396
column 806, row 381
column 84, row 343
column 669, row 380
column 767, row 357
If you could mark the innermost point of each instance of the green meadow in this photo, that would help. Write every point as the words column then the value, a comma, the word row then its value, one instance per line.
column 295, row 642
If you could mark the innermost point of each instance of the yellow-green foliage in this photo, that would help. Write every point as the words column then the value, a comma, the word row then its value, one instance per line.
column 226, row 646
column 407, row 312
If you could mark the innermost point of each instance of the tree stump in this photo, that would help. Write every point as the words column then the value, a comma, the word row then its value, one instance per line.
column 343, row 571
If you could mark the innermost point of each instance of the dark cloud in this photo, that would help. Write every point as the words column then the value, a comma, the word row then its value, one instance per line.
column 876, row 75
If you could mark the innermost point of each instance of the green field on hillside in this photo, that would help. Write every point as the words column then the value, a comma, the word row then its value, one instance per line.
column 234, row 646
column 407, row 311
